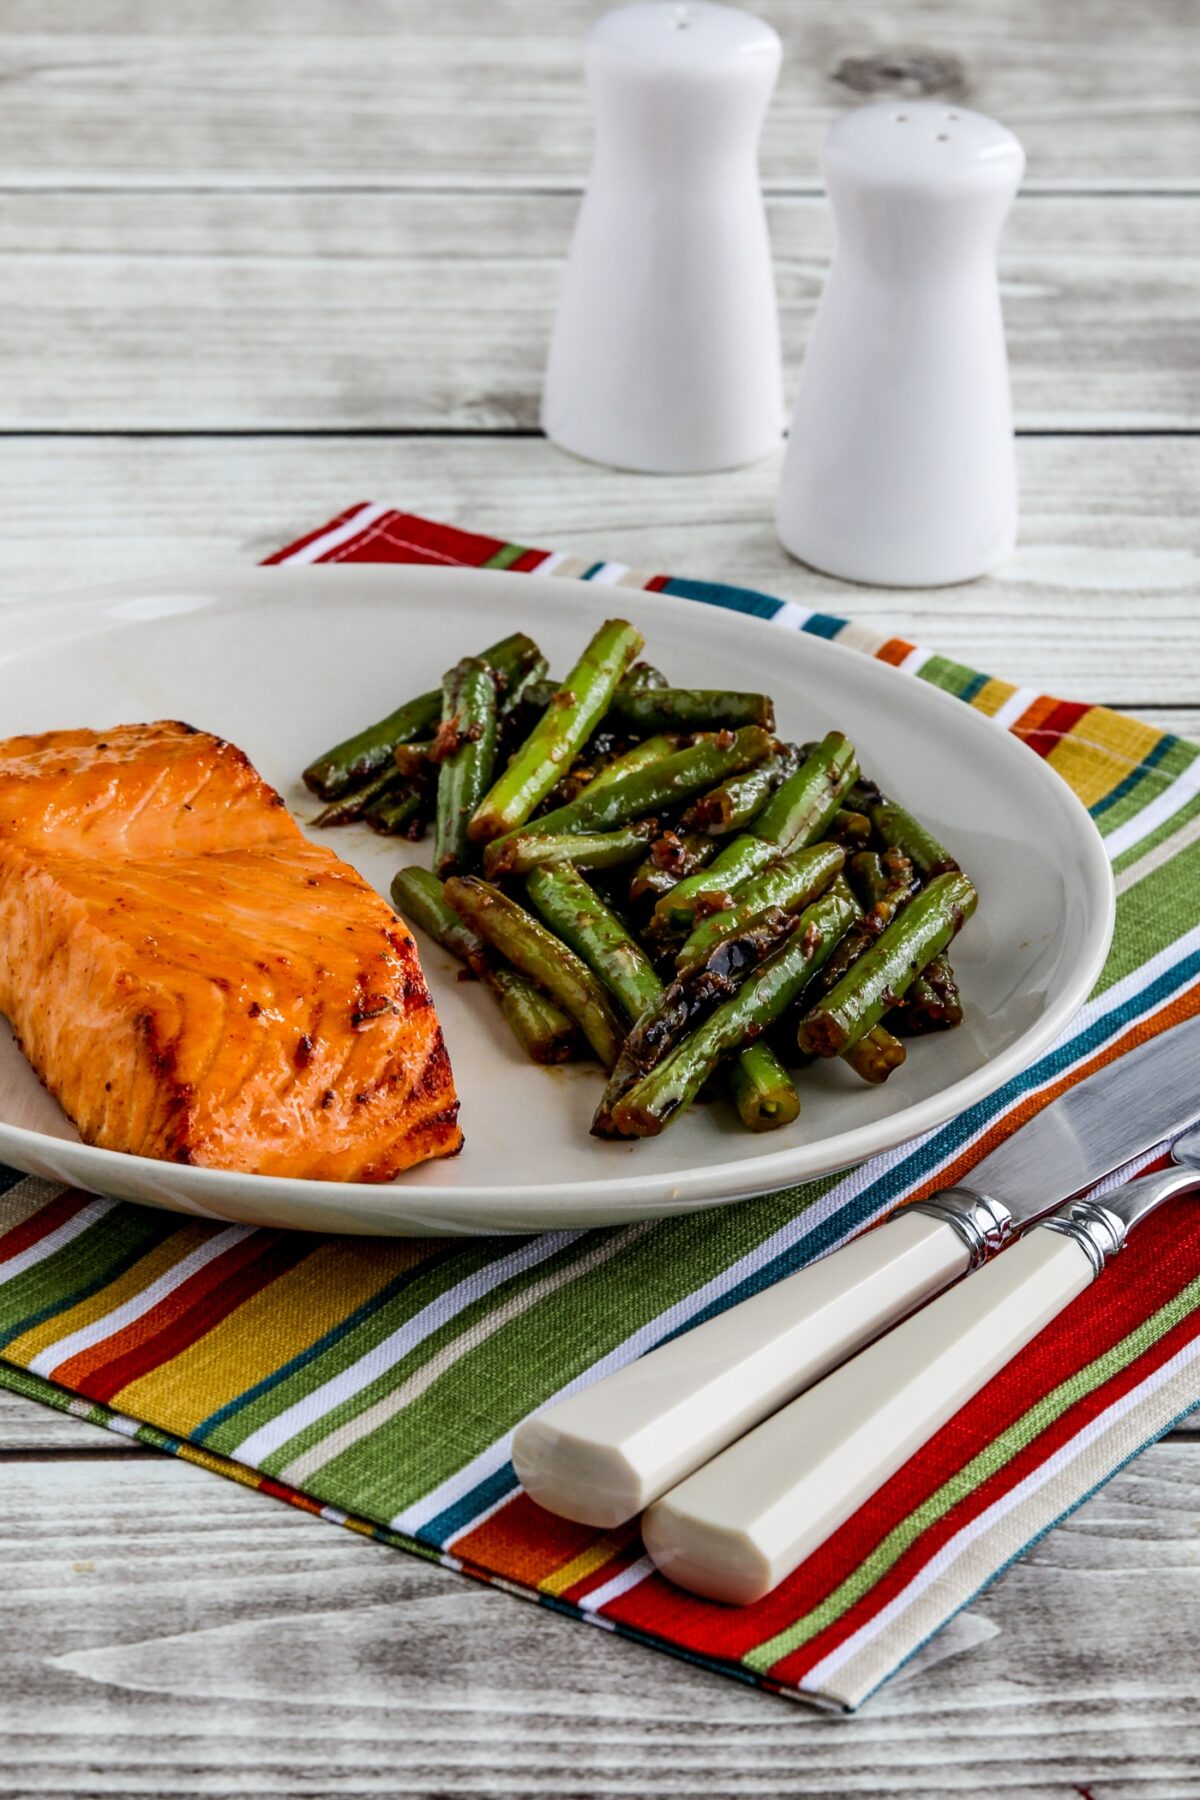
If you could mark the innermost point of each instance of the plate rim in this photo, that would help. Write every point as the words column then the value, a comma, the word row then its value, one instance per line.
column 650, row 1194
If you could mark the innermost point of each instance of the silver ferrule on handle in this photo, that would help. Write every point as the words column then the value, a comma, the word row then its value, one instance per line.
column 1101, row 1226
column 984, row 1225
column 1098, row 1232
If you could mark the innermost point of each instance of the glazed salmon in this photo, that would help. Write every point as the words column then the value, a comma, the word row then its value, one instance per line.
column 193, row 980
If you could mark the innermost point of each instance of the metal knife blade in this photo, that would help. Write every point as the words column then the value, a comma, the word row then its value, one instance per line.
column 1134, row 1103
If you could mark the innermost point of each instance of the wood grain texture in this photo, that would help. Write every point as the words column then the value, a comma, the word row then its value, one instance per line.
column 236, row 311
column 166, row 1632
column 1100, row 603
column 1184, row 721
column 487, row 92
column 30, row 1430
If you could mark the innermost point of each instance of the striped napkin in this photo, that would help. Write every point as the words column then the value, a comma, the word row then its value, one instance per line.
column 378, row 1383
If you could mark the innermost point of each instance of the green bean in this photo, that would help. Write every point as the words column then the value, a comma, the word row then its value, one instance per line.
column 689, row 709
column 470, row 715
column 882, row 976
column 515, row 671
column 762, row 1090
column 686, row 1000
column 874, row 1056
column 671, row 1087
column 599, row 765
column 664, row 783
column 514, row 659
column 672, row 857
column 419, row 898
column 737, row 801
column 389, row 782
column 791, row 884
column 576, row 913
column 415, row 759
column 402, row 814
column 863, row 932
column 900, row 831
column 543, row 1030
column 360, row 756
column 783, row 1037
column 883, row 883
column 565, row 725
column 521, row 851
column 651, row 750
column 852, row 829
column 711, row 890
column 537, row 953
column 863, row 795
column 640, row 676
column 932, row 1003
column 801, row 810
column 539, row 694
column 796, row 815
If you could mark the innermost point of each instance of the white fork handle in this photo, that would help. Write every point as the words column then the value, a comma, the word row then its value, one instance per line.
column 738, row 1526
column 603, row 1454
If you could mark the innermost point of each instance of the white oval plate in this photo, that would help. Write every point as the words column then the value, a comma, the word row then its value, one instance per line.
column 286, row 661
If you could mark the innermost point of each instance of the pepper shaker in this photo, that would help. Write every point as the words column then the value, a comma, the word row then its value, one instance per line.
column 665, row 351
column 900, row 467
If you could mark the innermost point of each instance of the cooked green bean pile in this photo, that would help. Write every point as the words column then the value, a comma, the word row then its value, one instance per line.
column 647, row 875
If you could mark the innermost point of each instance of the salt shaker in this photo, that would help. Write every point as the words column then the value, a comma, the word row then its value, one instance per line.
column 665, row 351
column 900, row 467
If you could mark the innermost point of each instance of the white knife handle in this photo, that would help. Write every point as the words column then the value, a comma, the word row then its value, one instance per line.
column 603, row 1454
column 738, row 1526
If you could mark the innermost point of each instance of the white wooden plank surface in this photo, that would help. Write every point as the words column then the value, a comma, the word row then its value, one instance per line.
column 1102, row 601
column 166, row 1632
column 234, row 311
column 488, row 92
column 30, row 1430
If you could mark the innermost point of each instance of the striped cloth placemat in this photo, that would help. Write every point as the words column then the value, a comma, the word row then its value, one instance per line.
column 378, row 1383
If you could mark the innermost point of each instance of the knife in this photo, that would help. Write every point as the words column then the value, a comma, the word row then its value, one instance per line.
column 737, row 1527
column 601, row 1455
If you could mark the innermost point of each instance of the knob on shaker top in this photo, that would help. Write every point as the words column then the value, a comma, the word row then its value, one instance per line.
column 685, row 37
column 665, row 350
column 900, row 467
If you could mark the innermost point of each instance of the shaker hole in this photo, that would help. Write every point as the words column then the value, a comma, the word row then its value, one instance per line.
column 900, row 118
column 943, row 137
column 952, row 116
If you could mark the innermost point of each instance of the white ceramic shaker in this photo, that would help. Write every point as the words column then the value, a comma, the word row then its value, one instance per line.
column 665, row 351
column 900, row 467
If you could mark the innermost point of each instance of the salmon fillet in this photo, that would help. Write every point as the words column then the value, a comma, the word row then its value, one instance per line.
column 193, row 980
